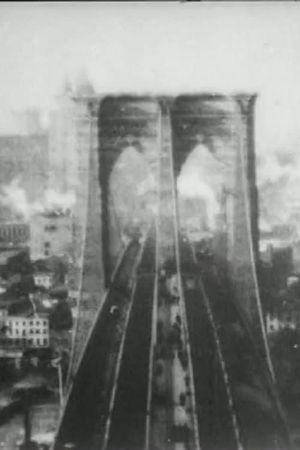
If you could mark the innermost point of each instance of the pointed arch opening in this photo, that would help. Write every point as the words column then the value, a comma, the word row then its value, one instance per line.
column 131, row 194
column 202, row 200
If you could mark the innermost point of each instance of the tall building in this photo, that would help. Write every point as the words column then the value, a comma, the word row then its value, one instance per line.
column 25, row 158
column 65, row 135
column 62, row 141
column 50, row 235
column 71, row 136
column 24, row 163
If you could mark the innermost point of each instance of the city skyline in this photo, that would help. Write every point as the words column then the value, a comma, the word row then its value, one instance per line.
column 165, row 48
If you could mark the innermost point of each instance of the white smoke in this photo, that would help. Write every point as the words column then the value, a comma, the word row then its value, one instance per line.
column 63, row 201
column 202, row 176
column 279, row 182
column 15, row 198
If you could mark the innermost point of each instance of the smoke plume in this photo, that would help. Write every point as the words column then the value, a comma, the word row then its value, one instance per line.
column 278, row 183
column 14, row 197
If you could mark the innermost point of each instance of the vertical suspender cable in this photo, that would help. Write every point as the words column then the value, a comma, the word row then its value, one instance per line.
column 245, row 189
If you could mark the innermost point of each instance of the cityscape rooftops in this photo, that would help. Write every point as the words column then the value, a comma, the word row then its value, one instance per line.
column 54, row 213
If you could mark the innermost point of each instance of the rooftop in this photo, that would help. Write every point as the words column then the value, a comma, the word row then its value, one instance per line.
column 6, row 254
column 54, row 213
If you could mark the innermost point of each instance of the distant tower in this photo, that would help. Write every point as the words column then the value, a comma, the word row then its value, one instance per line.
column 65, row 126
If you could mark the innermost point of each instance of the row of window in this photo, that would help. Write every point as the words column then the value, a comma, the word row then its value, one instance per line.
column 42, row 279
column 17, row 342
column 31, row 331
column 38, row 341
column 13, row 233
column 25, row 323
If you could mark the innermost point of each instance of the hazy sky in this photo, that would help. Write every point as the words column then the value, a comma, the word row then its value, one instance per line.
column 169, row 47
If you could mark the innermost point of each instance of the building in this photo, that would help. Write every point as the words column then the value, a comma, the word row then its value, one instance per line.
column 24, row 332
column 279, row 321
column 14, row 233
column 67, row 135
column 73, row 132
column 43, row 279
column 50, row 234
column 24, row 166
column 26, row 159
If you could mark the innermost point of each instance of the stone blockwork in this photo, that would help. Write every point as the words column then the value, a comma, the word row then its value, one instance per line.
column 243, row 258
column 124, row 121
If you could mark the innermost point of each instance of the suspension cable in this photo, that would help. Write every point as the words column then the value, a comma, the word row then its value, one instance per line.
column 245, row 188
column 81, row 257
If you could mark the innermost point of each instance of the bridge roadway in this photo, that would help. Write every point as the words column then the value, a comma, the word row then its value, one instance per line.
column 128, row 419
column 246, row 415
column 85, row 419
column 235, row 403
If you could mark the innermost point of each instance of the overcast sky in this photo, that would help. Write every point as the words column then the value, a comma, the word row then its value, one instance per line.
column 165, row 47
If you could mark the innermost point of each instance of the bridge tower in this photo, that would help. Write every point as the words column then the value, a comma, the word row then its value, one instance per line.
column 224, row 125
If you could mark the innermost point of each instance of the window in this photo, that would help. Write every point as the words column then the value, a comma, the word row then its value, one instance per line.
column 45, row 322
column 46, row 252
column 50, row 228
column 47, row 244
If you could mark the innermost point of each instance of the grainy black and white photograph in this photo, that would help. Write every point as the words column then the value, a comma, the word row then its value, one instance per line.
column 150, row 226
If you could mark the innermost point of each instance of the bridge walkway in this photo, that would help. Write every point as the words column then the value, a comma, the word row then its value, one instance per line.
column 87, row 403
